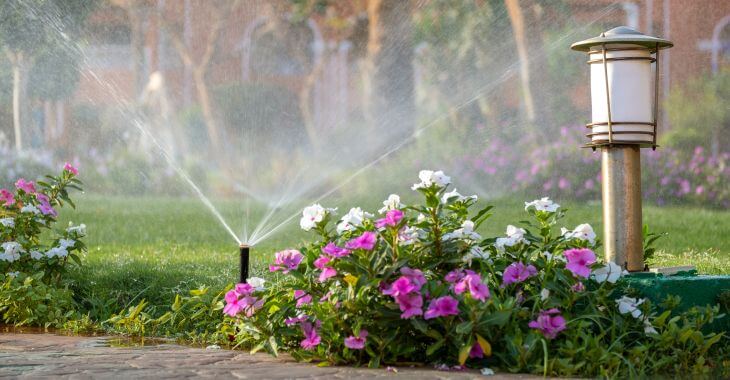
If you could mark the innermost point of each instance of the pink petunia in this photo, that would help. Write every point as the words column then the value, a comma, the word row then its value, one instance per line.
column 251, row 304
column 442, row 307
column 244, row 289
column 473, row 283
column 580, row 261
column 322, row 262
column 410, row 304
column 295, row 320
column 286, row 261
column 233, row 304
column 311, row 338
column 357, row 342
column 365, row 241
column 454, row 276
column 302, row 298
column 549, row 322
column 335, row 251
column 71, row 169
column 6, row 197
column 327, row 272
column 415, row 276
column 47, row 209
column 399, row 287
column 518, row 272
column 27, row 186
column 392, row 218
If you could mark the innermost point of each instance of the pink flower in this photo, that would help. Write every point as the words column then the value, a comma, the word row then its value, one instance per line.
column 47, row 209
column 322, row 261
column 302, row 298
column 476, row 351
column 549, row 322
column 27, row 186
column 473, row 283
column 579, row 261
column 335, row 251
column 244, row 289
column 392, row 218
column 295, row 320
column 7, row 197
column 233, row 304
column 286, row 261
column 311, row 338
column 401, row 286
column 365, row 241
column 415, row 276
column 454, row 276
column 251, row 304
column 357, row 342
column 441, row 307
column 327, row 272
column 69, row 168
column 410, row 304
column 518, row 272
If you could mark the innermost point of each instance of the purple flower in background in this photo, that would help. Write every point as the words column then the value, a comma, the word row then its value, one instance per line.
column 549, row 322
column 365, row 241
column 311, row 338
column 563, row 183
column 302, row 298
column 580, row 261
column 400, row 286
column 415, row 276
column 327, row 272
column 286, row 260
column 454, row 276
column 476, row 351
column 357, row 342
column 518, row 272
column 442, row 307
column 473, row 283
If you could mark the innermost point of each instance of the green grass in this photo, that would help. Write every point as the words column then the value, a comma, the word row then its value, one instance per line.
column 152, row 248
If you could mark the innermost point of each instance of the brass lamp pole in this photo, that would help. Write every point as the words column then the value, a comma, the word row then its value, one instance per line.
column 624, row 119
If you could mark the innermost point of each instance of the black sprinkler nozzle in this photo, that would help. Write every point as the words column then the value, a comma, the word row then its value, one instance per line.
column 244, row 250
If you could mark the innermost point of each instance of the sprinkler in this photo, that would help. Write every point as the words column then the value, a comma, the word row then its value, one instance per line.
column 244, row 251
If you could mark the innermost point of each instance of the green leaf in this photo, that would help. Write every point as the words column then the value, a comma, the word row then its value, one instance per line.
column 435, row 347
column 464, row 354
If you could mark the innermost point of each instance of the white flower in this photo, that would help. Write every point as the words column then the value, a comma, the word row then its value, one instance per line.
column 466, row 232
column 630, row 305
column 407, row 236
column 611, row 272
column 312, row 215
column 13, row 274
column 550, row 256
column 256, row 282
column 429, row 178
column 476, row 252
column 515, row 236
column 8, row 222
column 648, row 328
column 392, row 203
column 12, row 251
column 582, row 232
column 79, row 231
column 57, row 252
column 36, row 255
column 30, row 209
column 420, row 218
column 544, row 204
column 66, row 243
column 487, row 372
column 354, row 218
column 455, row 194
column 544, row 294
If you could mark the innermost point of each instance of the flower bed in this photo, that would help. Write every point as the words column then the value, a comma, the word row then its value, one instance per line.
column 418, row 284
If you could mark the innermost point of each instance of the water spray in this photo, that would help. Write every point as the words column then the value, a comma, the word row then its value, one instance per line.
column 244, row 255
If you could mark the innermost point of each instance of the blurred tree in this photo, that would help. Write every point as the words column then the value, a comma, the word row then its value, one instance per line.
column 704, row 121
column 30, row 28
column 199, row 62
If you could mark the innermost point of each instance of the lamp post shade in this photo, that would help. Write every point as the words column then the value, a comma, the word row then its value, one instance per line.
column 623, row 87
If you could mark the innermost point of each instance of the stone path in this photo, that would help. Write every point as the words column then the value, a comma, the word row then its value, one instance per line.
column 35, row 356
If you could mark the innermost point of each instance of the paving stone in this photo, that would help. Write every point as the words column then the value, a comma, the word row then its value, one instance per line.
column 48, row 356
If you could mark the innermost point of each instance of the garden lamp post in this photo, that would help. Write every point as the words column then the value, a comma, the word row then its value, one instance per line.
column 624, row 97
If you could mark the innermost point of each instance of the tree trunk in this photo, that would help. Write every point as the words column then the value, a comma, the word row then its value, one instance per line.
column 207, row 108
column 389, row 96
column 19, row 96
column 517, row 20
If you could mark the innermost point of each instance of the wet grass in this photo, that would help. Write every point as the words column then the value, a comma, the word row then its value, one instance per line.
column 152, row 248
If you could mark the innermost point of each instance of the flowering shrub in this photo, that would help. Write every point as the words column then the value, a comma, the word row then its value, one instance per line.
column 668, row 175
column 26, row 212
column 419, row 284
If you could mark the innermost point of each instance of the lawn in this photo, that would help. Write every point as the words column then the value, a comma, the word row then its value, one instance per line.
column 152, row 248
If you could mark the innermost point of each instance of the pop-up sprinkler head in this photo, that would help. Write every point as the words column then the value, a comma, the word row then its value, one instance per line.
column 244, row 250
